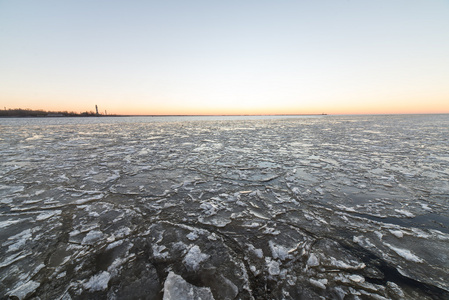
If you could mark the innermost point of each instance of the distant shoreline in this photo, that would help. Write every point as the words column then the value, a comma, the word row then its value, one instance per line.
column 28, row 113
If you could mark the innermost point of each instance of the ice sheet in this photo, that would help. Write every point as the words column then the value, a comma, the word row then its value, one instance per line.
column 230, row 208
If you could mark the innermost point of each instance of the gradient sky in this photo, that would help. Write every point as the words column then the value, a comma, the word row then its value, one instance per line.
column 225, row 57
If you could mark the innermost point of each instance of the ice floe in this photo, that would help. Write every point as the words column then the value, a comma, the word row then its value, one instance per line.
column 176, row 288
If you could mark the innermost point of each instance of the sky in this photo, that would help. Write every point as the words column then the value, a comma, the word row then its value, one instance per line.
column 225, row 57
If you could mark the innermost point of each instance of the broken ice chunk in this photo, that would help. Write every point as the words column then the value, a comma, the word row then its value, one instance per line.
column 175, row 288
column 6, row 223
column 278, row 251
column 364, row 242
column 253, row 225
column 425, row 206
column 192, row 236
column 89, row 199
column 272, row 231
column 321, row 283
column 273, row 266
column 357, row 278
column 18, row 241
column 397, row 233
column 24, row 290
column 378, row 234
column 296, row 191
column 47, row 215
column 158, row 251
column 218, row 221
column 313, row 261
column 319, row 190
column 257, row 252
column 209, row 208
column 405, row 213
column 92, row 237
column 343, row 265
column 194, row 257
column 254, row 270
column 227, row 289
column 396, row 289
column 212, row 237
column 98, row 282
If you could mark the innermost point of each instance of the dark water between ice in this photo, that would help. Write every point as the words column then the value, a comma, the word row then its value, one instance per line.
column 337, row 207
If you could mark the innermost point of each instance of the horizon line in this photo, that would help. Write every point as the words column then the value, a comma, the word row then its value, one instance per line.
column 223, row 114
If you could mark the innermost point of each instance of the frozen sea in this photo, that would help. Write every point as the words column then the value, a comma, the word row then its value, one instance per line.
column 319, row 207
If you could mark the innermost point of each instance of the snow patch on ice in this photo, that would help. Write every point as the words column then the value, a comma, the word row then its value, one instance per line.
column 405, row 253
column 364, row 242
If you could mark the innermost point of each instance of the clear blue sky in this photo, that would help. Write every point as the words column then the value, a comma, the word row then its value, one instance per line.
column 193, row 57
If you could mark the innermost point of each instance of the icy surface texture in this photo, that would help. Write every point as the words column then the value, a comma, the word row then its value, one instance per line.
column 349, row 207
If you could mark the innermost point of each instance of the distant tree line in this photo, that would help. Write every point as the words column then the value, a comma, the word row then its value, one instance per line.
column 18, row 112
